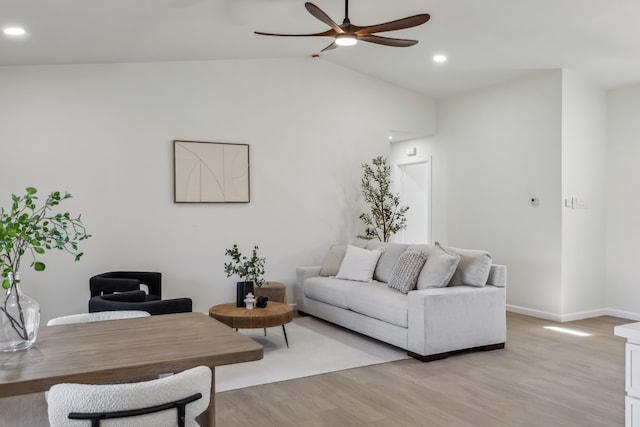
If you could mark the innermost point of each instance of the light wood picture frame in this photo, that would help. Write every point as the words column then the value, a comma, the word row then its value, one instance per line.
column 210, row 172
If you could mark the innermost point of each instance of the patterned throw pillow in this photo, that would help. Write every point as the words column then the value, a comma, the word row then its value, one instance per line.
column 405, row 273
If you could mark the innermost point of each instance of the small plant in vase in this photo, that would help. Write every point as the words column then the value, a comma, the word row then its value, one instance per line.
column 249, row 269
column 27, row 227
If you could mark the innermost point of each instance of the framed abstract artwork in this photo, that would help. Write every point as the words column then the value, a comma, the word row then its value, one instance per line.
column 210, row 172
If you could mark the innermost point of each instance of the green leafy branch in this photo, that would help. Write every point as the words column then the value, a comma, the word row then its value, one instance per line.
column 29, row 228
column 248, row 269
column 386, row 216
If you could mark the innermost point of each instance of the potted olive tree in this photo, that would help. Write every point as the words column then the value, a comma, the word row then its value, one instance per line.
column 386, row 216
column 27, row 227
column 249, row 269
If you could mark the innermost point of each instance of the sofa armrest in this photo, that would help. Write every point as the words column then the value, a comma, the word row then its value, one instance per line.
column 497, row 275
column 303, row 273
column 455, row 318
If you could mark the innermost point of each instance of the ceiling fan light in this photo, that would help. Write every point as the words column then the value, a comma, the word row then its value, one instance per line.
column 346, row 40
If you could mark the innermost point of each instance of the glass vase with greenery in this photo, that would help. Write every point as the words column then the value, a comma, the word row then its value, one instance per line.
column 386, row 216
column 28, row 227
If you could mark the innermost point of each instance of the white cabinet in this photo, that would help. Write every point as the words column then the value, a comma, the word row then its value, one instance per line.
column 632, row 372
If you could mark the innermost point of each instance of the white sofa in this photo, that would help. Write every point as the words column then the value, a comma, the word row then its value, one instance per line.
column 455, row 305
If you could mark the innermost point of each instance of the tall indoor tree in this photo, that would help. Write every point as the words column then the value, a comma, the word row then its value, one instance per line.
column 386, row 216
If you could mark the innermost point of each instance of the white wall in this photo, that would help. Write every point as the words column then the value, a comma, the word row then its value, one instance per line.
column 104, row 133
column 623, row 201
column 583, row 180
column 494, row 149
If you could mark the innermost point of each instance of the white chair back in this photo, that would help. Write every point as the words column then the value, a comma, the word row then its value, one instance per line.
column 73, row 398
column 97, row 317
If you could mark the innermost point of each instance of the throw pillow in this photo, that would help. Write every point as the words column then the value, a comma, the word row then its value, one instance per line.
column 473, row 269
column 388, row 259
column 405, row 273
column 439, row 268
column 331, row 264
column 358, row 264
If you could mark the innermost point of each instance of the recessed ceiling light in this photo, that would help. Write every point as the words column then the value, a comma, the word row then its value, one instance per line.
column 14, row 31
column 439, row 58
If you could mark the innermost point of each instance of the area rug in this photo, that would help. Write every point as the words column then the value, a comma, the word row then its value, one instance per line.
column 315, row 347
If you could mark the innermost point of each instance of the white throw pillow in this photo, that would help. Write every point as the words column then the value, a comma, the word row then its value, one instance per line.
column 359, row 264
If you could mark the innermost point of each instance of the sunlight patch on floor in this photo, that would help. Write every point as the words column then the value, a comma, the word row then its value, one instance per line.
column 567, row 331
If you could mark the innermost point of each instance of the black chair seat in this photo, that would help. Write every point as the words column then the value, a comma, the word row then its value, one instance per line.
column 137, row 300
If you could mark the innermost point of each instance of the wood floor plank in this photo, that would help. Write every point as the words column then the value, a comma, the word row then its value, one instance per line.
column 542, row 378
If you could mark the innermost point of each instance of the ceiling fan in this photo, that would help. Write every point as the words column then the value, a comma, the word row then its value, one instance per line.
column 348, row 34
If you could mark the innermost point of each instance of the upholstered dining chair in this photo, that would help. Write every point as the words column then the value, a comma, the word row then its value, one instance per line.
column 174, row 400
column 123, row 281
column 97, row 317
column 136, row 300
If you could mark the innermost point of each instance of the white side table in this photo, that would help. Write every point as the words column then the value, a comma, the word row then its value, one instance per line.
column 631, row 332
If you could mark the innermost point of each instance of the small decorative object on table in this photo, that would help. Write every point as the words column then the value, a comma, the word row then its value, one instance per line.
column 249, row 301
column 262, row 302
column 249, row 269
column 28, row 228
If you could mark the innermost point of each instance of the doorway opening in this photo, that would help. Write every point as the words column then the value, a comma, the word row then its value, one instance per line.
column 414, row 186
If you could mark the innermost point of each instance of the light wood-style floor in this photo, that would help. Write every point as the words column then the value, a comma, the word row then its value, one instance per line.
column 542, row 378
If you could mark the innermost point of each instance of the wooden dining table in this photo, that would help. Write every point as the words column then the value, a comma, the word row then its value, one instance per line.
column 124, row 350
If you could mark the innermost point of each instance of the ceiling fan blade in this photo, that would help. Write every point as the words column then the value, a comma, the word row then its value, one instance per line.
column 399, row 24
column 330, row 47
column 387, row 41
column 329, row 33
column 320, row 15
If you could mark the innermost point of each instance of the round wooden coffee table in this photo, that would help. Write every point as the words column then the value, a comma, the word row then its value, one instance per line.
column 274, row 314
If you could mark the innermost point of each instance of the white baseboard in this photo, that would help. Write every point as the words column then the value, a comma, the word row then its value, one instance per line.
column 533, row 313
column 624, row 314
column 573, row 316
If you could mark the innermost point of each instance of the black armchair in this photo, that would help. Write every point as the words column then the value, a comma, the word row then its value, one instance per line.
column 124, row 281
column 137, row 300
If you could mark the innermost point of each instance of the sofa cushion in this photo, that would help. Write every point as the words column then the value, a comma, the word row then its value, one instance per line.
column 376, row 300
column 439, row 268
column 331, row 264
column 426, row 249
column 359, row 264
column 388, row 259
column 473, row 268
column 405, row 273
column 330, row 290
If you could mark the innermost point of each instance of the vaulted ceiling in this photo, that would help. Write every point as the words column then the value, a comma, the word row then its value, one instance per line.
column 486, row 41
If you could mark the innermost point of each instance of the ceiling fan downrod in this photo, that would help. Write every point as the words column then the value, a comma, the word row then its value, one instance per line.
column 346, row 13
